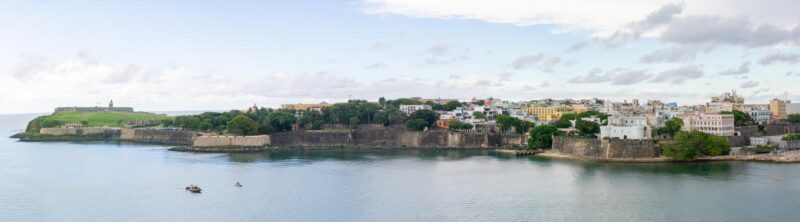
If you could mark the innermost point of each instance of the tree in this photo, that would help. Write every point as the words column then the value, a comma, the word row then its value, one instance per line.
column 562, row 124
column 479, row 115
column 672, row 126
column 542, row 136
column 568, row 116
column 791, row 137
column 167, row 122
column 242, row 125
column 481, row 103
column 451, row 105
column 506, row 122
column 455, row 124
column 429, row 116
column 587, row 128
column 740, row 118
column 416, row 124
column 793, row 118
column 353, row 122
column 205, row 126
column 281, row 120
column 689, row 145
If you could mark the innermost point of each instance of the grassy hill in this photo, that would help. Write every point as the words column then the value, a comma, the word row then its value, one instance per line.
column 110, row 119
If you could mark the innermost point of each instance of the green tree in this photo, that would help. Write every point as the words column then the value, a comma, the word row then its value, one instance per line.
column 429, row 116
column 562, row 123
column 452, row 105
column 481, row 103
column 542, row 136
column 587, row 128
column 791, row 137
column 455, row 124
column 740, row 118
column 416, row 124
column 690, row 145
column 672, row 126
column 568, row 116
column 205, row 126
column 506, row 122
column 167, row 122
column 479, row 115
column 353, row 122
column 242, row 125
column 793, row 118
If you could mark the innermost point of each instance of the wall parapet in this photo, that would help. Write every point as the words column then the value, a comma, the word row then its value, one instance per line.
column 232, row 141
column 607, row 148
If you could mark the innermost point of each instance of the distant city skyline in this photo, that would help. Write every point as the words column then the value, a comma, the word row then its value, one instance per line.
column 214, row 55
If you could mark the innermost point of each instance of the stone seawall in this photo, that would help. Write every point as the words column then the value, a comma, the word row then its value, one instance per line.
column 158, row 136
column 76, row 131
column 609, row 148
column 392, row 137
column 232, row 141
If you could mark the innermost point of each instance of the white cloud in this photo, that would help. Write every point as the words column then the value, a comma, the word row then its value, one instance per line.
column 617, row 76
column 538, row 61
column 680, row 74
column 743, row 69
column 780, row 57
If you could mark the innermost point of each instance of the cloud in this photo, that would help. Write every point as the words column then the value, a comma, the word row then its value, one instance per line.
column 740, row 23
column 578, row 46
column 505, row 76
column 538, row 61
column 377, row 65
column 780, row 57
column 617, row 76
column 680, row 74
column 749, row 84
column 743, row 69
column 737, row 31
column 676, row 53
column 442, row 54
column 378, row 46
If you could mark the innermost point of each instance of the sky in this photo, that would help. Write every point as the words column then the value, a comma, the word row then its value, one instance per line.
column 221, row 55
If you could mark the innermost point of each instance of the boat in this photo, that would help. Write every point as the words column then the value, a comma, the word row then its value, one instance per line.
column 238, row 184
column 194, row 189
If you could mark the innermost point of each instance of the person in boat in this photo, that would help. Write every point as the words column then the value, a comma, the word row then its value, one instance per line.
column 238, row 184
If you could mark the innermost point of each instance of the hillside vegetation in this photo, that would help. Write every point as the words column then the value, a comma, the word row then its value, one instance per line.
column 110, row 119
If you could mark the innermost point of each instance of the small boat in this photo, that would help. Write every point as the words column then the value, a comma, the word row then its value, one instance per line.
column 238, row 184
column 194, row 189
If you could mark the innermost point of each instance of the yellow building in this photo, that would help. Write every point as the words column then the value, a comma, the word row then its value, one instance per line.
column 549, row 113
column 306, row 106
column 777, row 108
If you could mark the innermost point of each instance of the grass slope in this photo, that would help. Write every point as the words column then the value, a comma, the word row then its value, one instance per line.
column 110, row 119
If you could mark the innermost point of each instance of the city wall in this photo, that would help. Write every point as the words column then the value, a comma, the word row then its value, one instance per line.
column 607, row 148
column 158, row 136
column 231, row 141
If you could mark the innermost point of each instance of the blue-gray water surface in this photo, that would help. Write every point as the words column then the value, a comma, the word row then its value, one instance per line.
column 113, row 182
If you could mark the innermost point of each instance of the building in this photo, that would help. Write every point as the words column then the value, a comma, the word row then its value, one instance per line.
column 305, row 106
column 549, row 113
column 792, row 108
column 408, row 109
column 626, row 127
column 711, row 123
column 761, row 116
column 731, row 98
column 110, row 108
column 778, row 108
column 775, row 140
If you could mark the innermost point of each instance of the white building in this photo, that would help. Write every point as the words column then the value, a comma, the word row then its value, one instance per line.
column 775, row 140
column 626, row 127
column 714, row 124
column 761, row 116
column 408, row 109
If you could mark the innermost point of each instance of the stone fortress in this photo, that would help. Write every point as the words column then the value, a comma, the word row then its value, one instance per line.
column 110, row 108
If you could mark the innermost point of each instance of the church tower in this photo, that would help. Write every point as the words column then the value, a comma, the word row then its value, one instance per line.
column 111, row 104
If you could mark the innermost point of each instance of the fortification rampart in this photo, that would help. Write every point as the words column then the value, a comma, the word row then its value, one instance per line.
column 158, row 136
column 607, row 148
column 231, row 141
column 76, row 131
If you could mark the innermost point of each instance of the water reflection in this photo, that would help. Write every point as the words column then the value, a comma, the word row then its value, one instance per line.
column 356, row 155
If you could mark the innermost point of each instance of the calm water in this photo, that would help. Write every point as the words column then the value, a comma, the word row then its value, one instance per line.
column 111, row 182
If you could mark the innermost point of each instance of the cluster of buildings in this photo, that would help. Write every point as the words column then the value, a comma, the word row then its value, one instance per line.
column 627, row 119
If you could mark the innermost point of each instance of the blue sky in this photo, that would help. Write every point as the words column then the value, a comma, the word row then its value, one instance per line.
column 216, row 55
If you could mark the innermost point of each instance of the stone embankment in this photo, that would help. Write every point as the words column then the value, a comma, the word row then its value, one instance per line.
column 159, row 136
column 606, row 148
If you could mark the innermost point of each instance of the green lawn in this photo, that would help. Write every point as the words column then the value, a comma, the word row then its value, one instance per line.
column 112, row 119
